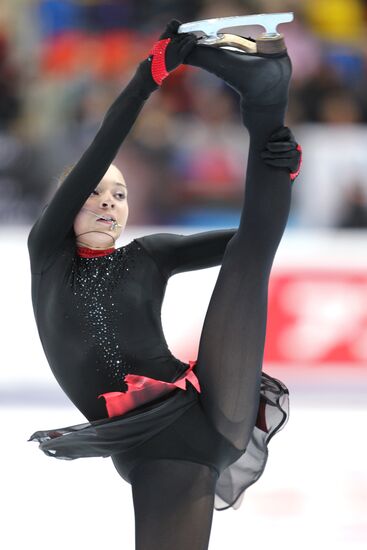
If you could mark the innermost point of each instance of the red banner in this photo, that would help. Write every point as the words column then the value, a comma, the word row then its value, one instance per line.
column 317, row 317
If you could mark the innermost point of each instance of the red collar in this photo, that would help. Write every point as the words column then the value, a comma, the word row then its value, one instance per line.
column 86, row 252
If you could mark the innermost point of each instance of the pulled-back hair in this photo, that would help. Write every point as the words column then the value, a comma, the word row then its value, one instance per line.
column 65, row 172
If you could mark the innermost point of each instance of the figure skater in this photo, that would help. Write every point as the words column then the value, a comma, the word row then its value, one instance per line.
column 188, row 437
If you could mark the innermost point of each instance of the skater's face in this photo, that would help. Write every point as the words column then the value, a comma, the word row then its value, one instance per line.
column 109, row 199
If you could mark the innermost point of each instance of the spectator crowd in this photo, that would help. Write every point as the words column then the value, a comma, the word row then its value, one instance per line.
column 63, row 62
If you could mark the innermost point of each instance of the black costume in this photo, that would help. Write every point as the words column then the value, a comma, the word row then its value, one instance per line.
column 99, row 319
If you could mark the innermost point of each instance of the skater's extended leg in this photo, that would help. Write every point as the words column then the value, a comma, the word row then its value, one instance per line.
column 173, row 504
column 232, row 340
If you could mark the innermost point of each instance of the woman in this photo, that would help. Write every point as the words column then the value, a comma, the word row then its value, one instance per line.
column 182, row 436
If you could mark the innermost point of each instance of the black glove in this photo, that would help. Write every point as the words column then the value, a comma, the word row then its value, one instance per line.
column 283, row 151
column 170, row 50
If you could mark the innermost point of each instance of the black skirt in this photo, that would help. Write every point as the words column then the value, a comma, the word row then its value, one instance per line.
column 176, row 426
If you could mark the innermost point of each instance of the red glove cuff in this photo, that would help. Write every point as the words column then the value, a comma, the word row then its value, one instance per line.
column 295, row 174
column 158, row 67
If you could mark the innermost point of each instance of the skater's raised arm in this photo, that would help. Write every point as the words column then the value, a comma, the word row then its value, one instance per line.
column 56, row 221
column 175, row 253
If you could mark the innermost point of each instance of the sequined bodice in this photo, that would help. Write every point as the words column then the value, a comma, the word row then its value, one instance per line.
column 94, row 282
column 99, row 319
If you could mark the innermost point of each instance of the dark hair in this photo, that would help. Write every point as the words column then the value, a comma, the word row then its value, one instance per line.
column 65, row 172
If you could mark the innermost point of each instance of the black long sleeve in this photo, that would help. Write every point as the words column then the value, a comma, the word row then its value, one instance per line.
column 179, row 253
column 56, row 221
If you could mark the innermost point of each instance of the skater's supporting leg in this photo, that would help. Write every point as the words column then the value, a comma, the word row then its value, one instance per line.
column 232, row 340
column 173, row 504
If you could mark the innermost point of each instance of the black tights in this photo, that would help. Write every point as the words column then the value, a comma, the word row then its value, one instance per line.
column 232, row 341
column 173, row 504
column 173, row 500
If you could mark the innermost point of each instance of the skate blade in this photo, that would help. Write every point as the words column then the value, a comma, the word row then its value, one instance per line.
column 210, row 27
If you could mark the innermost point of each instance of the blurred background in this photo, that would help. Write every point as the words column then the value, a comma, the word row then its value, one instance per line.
column 62, row 63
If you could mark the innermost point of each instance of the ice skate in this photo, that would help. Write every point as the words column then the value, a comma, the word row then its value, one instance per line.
column 261, row 78
column 268, row 43
column 261, row 82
